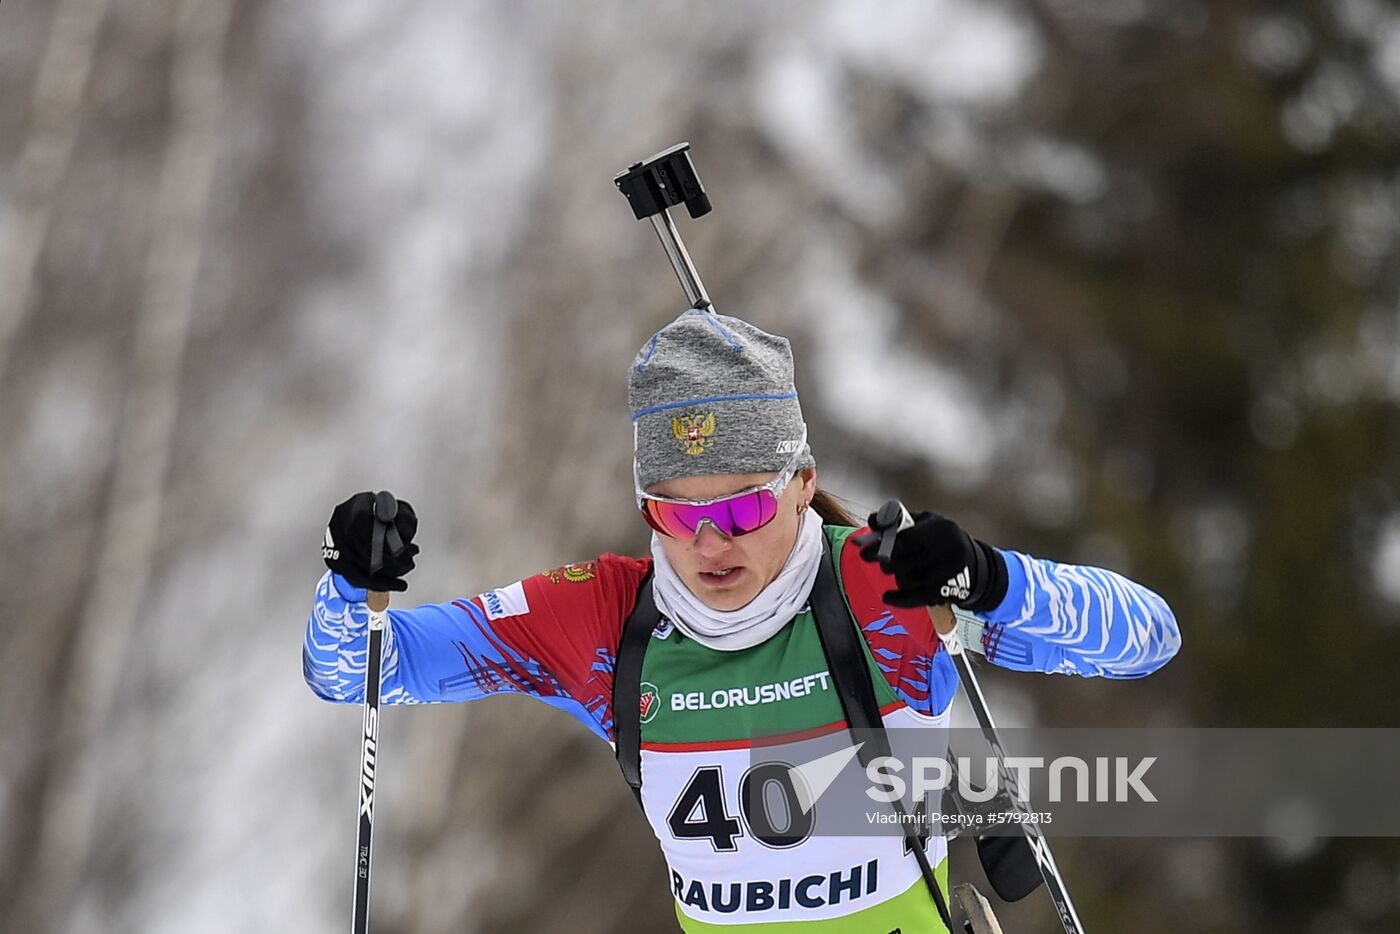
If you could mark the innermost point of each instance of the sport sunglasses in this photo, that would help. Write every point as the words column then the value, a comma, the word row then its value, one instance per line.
column 736, row 514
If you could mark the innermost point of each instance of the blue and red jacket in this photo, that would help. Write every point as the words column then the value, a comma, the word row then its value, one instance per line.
column 554, row 636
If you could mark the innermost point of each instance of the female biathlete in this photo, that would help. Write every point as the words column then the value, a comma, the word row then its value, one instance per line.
column 726, row 480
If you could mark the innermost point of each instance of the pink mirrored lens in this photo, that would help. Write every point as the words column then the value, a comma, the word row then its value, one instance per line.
column 738, row 515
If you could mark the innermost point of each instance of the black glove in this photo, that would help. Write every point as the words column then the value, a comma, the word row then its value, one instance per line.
column 935, row 562
column 349, row 544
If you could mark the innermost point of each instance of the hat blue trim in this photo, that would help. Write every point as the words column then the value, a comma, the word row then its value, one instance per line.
column 650, row 352
column 707, row 400
column 721, row 330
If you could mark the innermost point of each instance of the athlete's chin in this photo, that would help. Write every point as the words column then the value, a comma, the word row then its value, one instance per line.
column 730, row 593
column 728, row 602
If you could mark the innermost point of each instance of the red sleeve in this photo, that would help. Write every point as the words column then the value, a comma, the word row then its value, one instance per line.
column 903, row 641
column 553, row 636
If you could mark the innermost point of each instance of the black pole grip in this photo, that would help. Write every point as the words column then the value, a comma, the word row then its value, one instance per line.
column 385, row 509
column 889, row 519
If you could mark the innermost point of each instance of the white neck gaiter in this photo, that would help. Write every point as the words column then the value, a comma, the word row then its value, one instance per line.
column 732, row 630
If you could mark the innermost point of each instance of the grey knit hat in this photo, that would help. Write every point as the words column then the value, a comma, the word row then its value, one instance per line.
column 711, row 394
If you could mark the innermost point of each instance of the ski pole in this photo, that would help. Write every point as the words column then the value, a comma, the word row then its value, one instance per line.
column 893, row 517
column 385, row 509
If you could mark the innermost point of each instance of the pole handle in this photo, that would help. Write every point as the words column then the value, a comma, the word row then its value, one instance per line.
column 894, row 518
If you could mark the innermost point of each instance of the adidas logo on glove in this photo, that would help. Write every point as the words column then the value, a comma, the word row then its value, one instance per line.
column 958, row 587
column 328, row 550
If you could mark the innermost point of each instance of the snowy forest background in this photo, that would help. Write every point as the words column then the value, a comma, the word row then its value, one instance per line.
column 1111, row 282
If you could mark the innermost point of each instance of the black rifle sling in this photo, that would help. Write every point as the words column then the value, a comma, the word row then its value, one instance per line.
column 627, row 685
column 845, row 657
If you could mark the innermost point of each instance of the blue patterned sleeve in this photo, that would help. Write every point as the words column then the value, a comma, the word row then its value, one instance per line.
column 553, row 637
column 336, row 648
column 1069, row 619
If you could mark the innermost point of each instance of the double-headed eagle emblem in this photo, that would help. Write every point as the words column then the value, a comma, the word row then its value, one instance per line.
column 573, row 573
column 694, row 432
